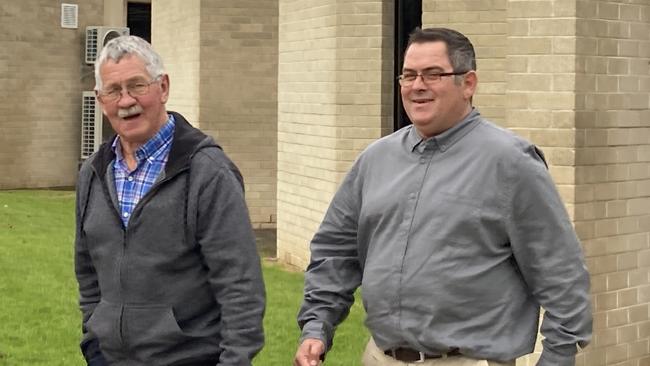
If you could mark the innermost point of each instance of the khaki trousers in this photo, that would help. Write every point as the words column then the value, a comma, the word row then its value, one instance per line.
column 373, row 356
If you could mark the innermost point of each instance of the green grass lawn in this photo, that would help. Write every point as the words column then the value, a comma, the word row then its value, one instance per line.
column 39, row 317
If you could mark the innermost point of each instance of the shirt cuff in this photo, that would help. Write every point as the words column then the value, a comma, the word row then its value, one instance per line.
column 318, row 330
column 558, row 356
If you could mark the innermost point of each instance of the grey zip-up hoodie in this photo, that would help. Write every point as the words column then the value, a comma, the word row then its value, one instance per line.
column 182, row 283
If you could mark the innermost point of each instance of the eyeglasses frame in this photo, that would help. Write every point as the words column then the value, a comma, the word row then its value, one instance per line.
column 101, row 96
column 438, row 76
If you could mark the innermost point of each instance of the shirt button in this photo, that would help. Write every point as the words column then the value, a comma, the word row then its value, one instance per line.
column 125, row 214
column 130, row 178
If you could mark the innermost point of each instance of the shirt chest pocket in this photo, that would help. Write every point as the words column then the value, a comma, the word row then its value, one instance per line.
column 448, row 217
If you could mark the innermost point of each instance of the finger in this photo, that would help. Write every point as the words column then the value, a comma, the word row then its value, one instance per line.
column 300, row 360
column 302, row 356
column 315, row 350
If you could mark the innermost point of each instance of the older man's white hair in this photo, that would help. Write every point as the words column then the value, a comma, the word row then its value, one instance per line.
column 120, row 47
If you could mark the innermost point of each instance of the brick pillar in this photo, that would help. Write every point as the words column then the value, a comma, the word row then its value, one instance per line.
column 175, row 34
column 222, row 61
column 540, row 91
column 484, row 23
column 334, row 97
column 239, row 58
column 612, row 176
column 577, row 84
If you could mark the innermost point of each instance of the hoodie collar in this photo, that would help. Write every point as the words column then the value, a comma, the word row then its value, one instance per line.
column 187, row 140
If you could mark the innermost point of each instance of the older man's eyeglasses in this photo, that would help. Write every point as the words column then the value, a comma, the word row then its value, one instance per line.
column 428, row 77
column 134, row 89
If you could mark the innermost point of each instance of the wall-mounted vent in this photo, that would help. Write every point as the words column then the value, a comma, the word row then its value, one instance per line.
column 97, row 37
column 69, row 16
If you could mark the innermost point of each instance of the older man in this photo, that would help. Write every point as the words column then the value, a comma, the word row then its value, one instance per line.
column 165, row 254
column 454, row 230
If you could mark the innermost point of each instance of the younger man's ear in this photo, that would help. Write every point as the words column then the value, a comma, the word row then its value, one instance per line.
column 470, row 81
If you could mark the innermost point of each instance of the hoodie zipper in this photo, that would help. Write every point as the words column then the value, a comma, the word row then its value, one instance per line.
column 125, row 232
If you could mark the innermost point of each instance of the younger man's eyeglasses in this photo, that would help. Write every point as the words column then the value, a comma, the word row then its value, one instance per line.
column 428, row 77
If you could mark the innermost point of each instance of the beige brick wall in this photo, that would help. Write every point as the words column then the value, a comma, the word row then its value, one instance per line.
column 115, row 12
column 222, row 60
column 41, row 80
column 484, row 23
column 540, row 91
column 239, row 57
column 175, row 34
column 612, row 205
column 576, row 81
column 540, row 83
column 334, row 97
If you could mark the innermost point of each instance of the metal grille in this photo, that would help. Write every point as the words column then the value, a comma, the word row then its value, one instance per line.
column 97, row 37
column 89, row 127
column 91, row 44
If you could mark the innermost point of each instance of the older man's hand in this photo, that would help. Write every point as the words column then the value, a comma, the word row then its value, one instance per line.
column 309, row 352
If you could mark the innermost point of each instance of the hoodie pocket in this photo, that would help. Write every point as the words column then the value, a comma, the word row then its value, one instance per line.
column 151, row 330
column 104, row 323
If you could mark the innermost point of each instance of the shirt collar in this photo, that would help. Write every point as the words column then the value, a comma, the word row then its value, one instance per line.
column 153, row 145
column 446, row 139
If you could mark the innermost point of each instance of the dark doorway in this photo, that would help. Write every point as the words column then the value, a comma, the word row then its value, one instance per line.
column 138, row 19
column 408, row 16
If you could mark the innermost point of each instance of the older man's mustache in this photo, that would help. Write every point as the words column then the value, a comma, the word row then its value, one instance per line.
column 128, row 112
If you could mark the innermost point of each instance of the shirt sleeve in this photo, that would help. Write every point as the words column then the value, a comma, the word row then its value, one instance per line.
column 227, row 242
column 334, row 271
column 550, row 259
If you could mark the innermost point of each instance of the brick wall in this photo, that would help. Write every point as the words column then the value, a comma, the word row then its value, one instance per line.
column 175, row 34
column 334, row 97
column 576, row 82
column 42, row 77
column 612, row 205
column 222, row 61
column 540, row 90
column 239, row 56
column 115, row 12
column 484, row 23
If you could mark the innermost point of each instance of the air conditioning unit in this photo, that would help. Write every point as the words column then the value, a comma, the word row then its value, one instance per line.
column 91, row 124
column 97, row 37
column 95, row 129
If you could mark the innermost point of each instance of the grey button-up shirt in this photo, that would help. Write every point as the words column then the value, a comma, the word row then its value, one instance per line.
column 456, row 241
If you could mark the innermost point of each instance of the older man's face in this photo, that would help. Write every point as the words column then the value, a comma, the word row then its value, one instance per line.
column 436, row 106
column 135, row 118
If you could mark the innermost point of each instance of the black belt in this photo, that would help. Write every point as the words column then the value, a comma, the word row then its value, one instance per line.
column 411, row 355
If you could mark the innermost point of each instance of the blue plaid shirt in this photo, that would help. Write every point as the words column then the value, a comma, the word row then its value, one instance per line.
column 151, row 158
